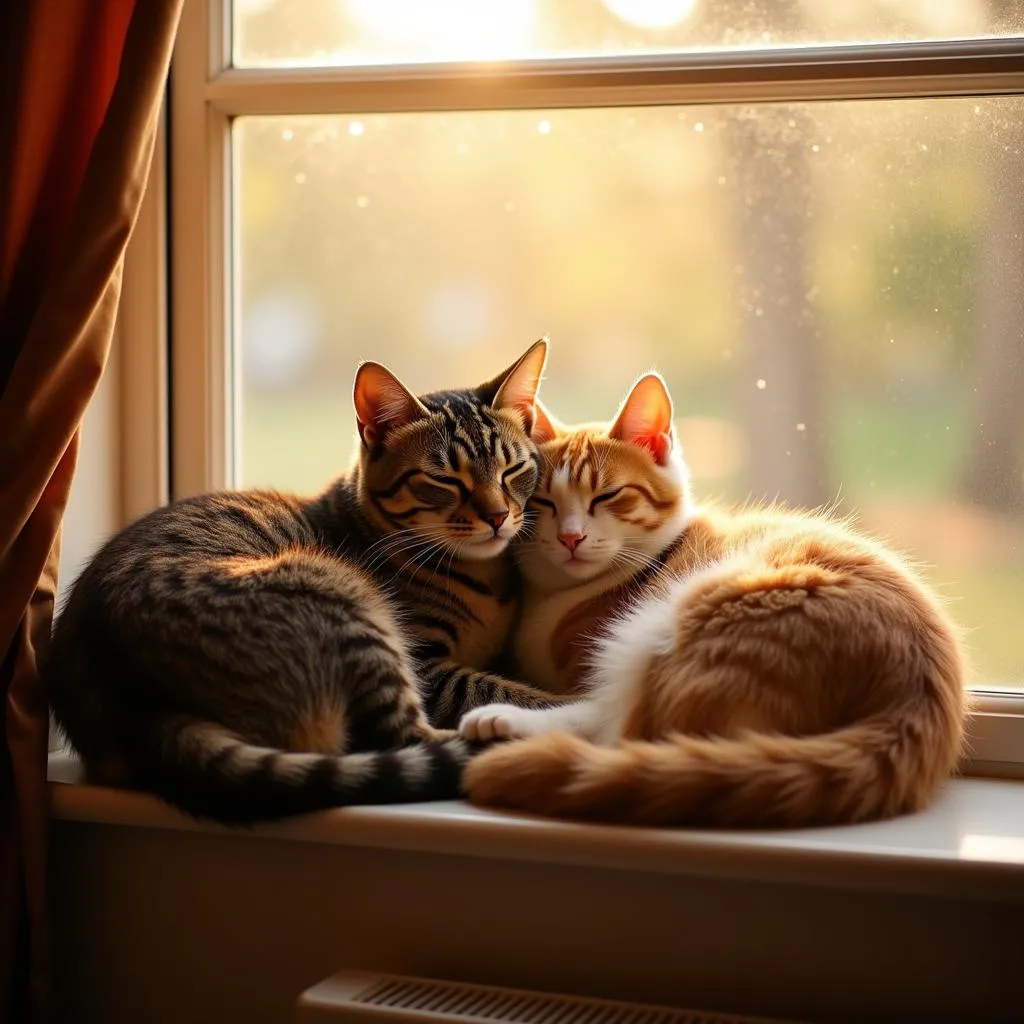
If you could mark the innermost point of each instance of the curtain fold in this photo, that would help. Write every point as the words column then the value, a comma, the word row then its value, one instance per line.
column 81, row 83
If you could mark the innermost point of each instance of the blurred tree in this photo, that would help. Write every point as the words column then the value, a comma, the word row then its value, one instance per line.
column 779, row 377
column 993, row 470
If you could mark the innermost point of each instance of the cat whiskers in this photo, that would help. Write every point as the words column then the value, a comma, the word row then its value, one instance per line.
column 419, row 556
column 396, row 536
column 401, row 542
column 637, row 560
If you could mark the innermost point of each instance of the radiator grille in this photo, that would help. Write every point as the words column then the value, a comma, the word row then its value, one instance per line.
column 364, row 998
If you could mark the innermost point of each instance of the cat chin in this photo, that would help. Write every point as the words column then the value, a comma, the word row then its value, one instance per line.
column 568, row 573
column 479, row 550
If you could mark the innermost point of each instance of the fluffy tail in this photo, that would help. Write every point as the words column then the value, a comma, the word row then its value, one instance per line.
column 879, row 768
column 209, row 772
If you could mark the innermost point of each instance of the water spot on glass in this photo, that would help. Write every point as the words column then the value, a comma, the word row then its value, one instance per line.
column 544, row 127
column 287, row 135
column 801, row 426
column 699, row 126
column 721, row 180
column 362, row 202
column 356, row 128
column 815, row 148
column 761, row 384
column 300, row 178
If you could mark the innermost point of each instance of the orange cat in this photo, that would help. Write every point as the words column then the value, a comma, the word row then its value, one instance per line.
column 753, row 668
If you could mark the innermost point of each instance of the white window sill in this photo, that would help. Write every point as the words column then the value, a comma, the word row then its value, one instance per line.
column 969, row 844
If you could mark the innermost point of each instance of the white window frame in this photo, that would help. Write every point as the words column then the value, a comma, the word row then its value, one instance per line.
column 206, row 92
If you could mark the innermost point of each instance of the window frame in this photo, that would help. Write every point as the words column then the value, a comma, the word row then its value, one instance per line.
column 200, row 450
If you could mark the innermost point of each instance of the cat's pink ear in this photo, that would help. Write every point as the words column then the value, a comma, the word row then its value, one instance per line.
column 545, row 426
column 517, row 387
column 382, row 403
column 645, row 418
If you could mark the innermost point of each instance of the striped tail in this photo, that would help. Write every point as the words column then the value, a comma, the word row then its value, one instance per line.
column 877, row 769
column 210, row 772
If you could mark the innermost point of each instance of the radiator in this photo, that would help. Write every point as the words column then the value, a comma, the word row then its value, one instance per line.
column 353, row 997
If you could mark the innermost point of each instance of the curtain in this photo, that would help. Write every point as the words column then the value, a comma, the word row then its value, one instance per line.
column 81, row 83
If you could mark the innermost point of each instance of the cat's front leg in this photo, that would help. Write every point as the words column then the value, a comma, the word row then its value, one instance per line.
column 507, row 722
column 451, row 690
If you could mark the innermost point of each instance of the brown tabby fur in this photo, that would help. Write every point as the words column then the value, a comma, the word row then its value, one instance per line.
column 249, row 655
column 761, row 668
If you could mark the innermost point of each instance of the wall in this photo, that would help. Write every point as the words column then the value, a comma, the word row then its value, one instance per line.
column 158, row 926
column 94, row 504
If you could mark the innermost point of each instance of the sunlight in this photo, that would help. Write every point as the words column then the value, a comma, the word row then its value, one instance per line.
column 991, row 847
column 651, row 14
column 448, row 29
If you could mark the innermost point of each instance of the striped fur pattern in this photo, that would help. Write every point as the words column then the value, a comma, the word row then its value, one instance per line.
column 753, row 667
column 252, row 655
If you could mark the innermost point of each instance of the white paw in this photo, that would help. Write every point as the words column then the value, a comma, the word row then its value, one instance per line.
column 497, row 722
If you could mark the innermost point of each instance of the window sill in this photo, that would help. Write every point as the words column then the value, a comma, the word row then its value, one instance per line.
column 969, row 844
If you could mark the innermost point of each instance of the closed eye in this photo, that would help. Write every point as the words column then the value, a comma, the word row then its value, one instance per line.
column 544, row 501
column 451, row 481
column 432, row 493
column 510, row 472
column 607, row 496
column 520, row 479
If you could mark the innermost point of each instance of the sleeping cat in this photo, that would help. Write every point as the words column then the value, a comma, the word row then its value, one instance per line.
column 243, row 655
column 751, row 668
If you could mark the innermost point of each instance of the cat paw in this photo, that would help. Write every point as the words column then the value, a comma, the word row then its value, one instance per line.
column 496, row 722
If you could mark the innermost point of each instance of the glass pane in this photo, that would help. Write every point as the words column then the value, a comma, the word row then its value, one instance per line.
column 276, row 33
column 832, row 290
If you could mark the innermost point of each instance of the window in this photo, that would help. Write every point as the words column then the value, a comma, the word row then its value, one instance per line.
column 809, row 216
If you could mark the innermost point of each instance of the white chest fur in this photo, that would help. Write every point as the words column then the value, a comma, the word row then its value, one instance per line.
column 537, row 641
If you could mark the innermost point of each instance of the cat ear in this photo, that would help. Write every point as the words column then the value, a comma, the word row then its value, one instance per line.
column 645, row 418
column 516, row 388
column 382, row 403
column 545, row 426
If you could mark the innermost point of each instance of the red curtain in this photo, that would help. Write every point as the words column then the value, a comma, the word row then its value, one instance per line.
column 80, row 88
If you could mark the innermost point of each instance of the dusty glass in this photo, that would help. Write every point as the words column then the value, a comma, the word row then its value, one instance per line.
column 833, row 292
column 304, row 33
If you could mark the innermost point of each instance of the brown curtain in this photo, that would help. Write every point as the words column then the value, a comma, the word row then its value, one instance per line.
column 80, row 88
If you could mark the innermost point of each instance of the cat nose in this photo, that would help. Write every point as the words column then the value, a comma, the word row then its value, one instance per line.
column 495, row 519
column 571, row 540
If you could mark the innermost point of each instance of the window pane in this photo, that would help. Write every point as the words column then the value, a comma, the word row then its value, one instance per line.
column 275, row 33
column 832, row 290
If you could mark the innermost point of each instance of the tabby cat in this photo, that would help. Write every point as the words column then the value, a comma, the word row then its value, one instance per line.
column 752, row 668
column 250, row 655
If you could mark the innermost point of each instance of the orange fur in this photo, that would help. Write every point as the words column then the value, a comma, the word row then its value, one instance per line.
column 778, row 670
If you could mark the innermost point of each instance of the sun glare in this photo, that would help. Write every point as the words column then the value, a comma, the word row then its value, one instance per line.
column 447, row 29
column 991, row 847
column 651, row 14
